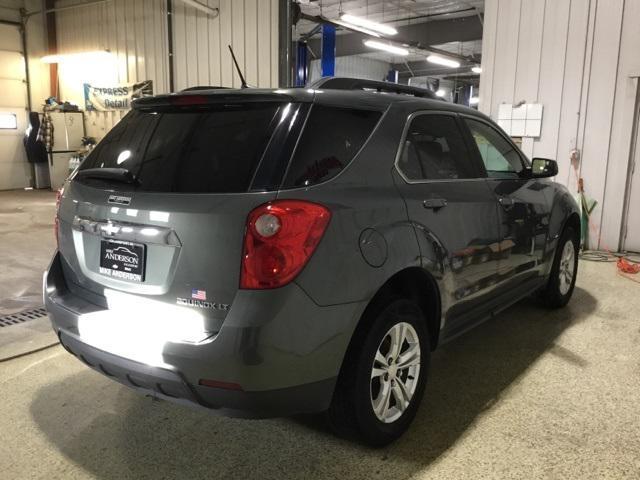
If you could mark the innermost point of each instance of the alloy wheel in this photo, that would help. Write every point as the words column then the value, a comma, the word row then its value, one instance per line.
column 395, row 372
column 567, row 267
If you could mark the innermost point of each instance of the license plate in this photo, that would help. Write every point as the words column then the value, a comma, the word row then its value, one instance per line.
column 123, row 260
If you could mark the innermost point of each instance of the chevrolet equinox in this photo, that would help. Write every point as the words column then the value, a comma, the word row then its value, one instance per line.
column 273, row 252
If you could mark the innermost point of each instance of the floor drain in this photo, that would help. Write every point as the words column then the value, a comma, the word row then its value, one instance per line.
column 21, row 317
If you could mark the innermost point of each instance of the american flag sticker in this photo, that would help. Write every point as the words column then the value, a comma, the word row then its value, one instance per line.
column 198, row 294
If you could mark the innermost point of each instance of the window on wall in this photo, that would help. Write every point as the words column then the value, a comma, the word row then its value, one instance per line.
column 499, row 156
column 434, row 150
column 8, row 121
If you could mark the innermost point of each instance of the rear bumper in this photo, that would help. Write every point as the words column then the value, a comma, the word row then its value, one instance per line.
column 277, row 352
column 170, row 384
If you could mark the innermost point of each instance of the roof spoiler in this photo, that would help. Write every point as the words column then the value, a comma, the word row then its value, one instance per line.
column 344, row 83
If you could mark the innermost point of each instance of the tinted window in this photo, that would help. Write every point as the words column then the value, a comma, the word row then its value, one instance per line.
column 331, row 138
column 434, row 150
column 208, row 151
column 499, row 156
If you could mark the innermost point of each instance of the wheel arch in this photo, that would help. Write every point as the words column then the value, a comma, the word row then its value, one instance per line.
column 413, row 283
column 573, row 221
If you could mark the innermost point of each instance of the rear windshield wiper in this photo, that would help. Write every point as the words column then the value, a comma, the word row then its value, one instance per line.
column 121, row 175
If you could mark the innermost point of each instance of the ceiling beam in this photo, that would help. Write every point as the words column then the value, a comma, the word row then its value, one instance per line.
column 435, row 32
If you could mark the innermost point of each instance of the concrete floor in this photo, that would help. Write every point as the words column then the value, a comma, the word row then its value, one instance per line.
column 27, row 243
column 529, row 394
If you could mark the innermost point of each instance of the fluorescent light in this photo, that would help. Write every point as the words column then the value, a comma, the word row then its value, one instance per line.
column 386, row 47
column 368, row 24
column 350, row 26
column 440, row 93
column 474, row 100
column 447, row 62
column 81, row 56
column 476, row 69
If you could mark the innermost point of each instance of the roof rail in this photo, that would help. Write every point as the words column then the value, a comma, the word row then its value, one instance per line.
column 344, row 83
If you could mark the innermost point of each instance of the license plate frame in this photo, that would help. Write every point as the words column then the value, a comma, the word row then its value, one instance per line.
column 123, row 260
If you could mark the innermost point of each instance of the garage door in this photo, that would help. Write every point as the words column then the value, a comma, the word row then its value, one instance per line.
column 15, row 172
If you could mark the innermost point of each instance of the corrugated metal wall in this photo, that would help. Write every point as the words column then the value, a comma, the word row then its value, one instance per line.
column 136, row 34
column 577, row 58
column 201, row 53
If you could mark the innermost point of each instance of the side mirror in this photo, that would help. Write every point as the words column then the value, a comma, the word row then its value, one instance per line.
column 543, row 168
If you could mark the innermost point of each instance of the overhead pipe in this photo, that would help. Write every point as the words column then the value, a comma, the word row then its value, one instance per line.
column 213, row 11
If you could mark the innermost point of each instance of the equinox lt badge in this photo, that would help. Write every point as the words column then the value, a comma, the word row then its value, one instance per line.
column 191, row 302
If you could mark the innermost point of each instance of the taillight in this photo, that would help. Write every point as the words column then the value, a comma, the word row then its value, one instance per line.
column 56, row 222
column 280, row 238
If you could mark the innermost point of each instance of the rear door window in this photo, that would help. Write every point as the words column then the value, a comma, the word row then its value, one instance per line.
column 332, row 136
column 434, row 149
column 217, row 150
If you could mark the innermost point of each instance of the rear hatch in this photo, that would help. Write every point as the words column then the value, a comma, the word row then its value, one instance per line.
column 160, row 205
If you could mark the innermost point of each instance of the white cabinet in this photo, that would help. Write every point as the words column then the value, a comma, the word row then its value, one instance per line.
column 68, row 130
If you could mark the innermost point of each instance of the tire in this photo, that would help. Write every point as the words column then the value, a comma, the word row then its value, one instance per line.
column 366, row 379
column 564, row 271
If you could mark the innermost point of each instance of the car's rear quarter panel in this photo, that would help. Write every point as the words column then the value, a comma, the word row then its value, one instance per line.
column 361, row 197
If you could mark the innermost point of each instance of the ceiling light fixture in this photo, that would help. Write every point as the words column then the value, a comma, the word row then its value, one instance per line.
column 356, row 28
column 446, row 62
column 386, row 47
column 476, row 69
column 368, row 24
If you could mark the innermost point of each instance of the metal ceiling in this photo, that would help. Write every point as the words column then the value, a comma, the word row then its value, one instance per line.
column 394, row 12
column 401, row 13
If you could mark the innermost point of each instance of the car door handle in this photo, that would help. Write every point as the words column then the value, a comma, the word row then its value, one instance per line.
column 506, row 202
column 434, row 203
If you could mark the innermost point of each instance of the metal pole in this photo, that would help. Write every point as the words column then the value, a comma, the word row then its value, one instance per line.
column 328, row 55
column 23, row 36
column 284, row 43
column 302, row 68
column 170, row 43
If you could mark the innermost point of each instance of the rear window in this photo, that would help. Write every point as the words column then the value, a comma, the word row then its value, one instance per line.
column 331, row 138
column 217, row 150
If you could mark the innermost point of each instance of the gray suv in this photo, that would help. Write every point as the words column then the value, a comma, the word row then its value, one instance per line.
column 273, row 252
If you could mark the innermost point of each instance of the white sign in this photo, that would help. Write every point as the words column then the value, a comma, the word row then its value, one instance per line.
column 116, row 97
